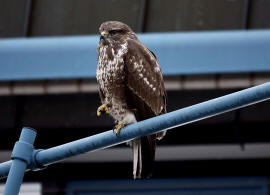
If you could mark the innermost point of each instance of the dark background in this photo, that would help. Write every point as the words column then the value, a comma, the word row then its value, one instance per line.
column 29, row 18
column 60, row 118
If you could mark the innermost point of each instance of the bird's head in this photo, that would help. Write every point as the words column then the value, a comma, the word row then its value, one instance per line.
column 113, row 31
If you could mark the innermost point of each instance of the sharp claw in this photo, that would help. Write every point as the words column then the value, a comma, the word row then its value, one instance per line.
column 117, row 131
column 101, row 108
column 118, row 128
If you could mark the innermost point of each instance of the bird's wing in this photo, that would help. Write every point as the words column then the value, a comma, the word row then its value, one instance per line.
column 145, row 92
column 144, row 78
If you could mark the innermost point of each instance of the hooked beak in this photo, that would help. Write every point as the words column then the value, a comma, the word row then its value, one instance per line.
column 103, row 34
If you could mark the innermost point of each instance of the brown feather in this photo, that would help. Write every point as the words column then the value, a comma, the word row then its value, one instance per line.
column 154, row 99
column 145, row 102
column 101, row 95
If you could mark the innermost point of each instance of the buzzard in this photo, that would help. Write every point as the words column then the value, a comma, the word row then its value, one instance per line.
column 131, row 88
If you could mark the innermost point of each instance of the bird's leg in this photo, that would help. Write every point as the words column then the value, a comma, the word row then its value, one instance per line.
column 119, row 127
column 104, row 108
column 128, row 118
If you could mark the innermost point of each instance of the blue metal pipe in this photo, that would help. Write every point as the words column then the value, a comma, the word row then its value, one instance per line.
column 167, row 121
column 181, row 53
column 4, row 168
column 15, row 177
column 164, row 122
column 21, row 157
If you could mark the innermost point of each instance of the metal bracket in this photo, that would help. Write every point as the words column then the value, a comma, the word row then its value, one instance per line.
column 34, row 165
column 23, row 151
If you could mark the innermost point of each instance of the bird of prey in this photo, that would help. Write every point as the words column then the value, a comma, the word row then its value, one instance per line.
column 131, row 88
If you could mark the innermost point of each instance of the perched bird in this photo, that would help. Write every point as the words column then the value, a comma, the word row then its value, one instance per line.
column 131, row 88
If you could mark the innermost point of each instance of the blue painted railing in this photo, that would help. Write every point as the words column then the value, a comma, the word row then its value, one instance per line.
column 178, row 53
column 25, row 157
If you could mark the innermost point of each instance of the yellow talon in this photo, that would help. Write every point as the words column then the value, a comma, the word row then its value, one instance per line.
column 118, row 128
column 103, row 108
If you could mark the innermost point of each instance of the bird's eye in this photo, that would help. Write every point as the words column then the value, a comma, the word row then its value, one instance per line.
column 113, row 32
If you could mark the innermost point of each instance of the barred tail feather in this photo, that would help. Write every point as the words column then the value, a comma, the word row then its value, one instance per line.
column 137, row 158
column 143, row 156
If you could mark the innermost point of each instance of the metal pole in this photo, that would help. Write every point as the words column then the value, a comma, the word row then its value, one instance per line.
column 163, row 122
column 166, row 121
column 4, row 168
column 21, row 156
